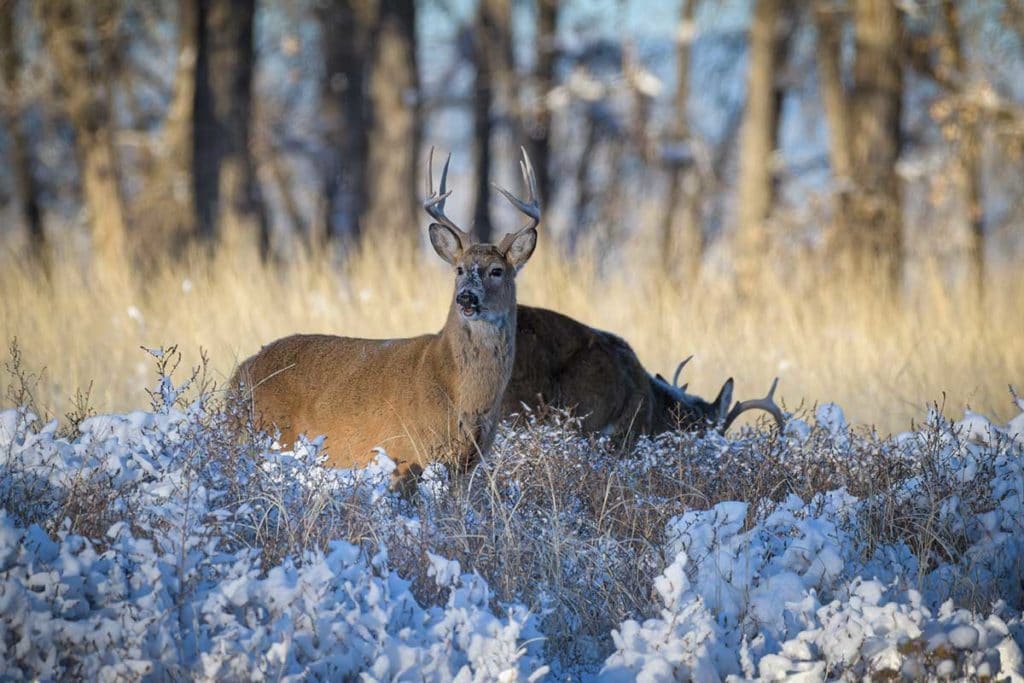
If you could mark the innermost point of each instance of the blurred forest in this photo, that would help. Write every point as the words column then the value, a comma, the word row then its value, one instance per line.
column 827, row 191
column 875, row 132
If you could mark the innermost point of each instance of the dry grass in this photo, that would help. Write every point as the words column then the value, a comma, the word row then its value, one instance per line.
column 827, row 339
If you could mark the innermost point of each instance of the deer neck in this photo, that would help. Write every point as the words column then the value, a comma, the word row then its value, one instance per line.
column 665, row 405
column 480, row 353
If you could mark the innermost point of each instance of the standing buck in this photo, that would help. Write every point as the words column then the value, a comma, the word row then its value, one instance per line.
column 431, row 398
column 563, row 363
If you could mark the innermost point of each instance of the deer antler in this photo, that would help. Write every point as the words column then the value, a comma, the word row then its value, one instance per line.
column 531, row 207
column 766, row 404
column 434, row 203
column 679, row 371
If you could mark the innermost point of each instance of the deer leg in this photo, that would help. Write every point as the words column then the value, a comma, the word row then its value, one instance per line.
column 405, row 479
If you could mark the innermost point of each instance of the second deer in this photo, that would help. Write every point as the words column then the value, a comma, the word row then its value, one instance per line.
column 431, row 398
column 565, row 364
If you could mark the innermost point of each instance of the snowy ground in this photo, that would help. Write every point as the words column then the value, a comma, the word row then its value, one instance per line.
column 152, row 546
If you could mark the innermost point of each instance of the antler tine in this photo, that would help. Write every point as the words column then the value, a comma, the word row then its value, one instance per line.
column 430, row 172
column 531, row 207
column 444, row 177
column 766, row 404
column 679, row 370
column 434, row 203
column 528, row 175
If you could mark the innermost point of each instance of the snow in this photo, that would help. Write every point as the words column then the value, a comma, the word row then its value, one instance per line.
column 178, row 577
column 170, row 596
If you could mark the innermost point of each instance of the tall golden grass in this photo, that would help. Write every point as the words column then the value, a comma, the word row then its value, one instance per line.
column 828, row 338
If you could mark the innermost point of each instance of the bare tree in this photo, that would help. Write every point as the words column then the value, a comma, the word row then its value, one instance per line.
column 225, row 188
column 681, row 230
column 346, row 28
column 166, row 200
column 874, row 215
column 830, row 83
column 395, row 120
column 828, row 24
column 73, row 32
column 180, row 121
column 966, row 132
column 543, row 80
column 21, row 159
column 492, row 41
column 864, row 134
column 643, row 87
column 592, row 122
column 757, row 141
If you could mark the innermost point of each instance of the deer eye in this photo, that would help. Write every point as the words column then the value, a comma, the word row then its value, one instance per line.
column 496, row 272
column 459, row 270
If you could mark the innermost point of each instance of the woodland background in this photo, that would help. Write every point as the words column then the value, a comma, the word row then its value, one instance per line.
column 828, row 191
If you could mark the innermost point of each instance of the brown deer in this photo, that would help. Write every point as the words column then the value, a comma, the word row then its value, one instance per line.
column 431, row 398
column 565, row 364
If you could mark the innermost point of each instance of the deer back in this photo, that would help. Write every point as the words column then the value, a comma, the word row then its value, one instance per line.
column 565, row 364
column 418, row 398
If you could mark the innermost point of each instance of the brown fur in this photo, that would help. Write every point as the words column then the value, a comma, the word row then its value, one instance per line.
column 436, row 397
column 563, row 363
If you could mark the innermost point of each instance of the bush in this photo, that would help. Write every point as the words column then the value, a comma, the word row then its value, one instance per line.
column 176, row 543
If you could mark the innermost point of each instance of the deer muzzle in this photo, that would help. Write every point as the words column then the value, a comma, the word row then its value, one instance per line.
column 468, row 302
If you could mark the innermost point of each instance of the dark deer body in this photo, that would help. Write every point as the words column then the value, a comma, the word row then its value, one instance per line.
column 565, row 364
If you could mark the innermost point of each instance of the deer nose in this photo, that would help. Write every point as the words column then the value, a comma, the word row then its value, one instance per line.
column 467, row 298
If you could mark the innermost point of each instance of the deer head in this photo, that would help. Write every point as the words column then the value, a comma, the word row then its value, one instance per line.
column 484, row 273
column 696, row 411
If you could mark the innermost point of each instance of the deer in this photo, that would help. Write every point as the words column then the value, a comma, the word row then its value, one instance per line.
column 563, row 363
column 432, row 398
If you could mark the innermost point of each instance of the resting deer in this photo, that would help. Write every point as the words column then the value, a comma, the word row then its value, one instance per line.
column 431, row 398
column 563, row 363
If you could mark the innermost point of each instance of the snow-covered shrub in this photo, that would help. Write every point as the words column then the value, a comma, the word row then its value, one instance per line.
column 206, row 560
column 131, row 611
column 174, row 543
column 800, row 590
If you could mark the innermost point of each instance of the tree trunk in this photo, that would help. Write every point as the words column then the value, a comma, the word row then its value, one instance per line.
column 830, row 85
column 179, row 127
column 828, row 50
column 69, row 37
column 969, row 160
column 584, row 188
column 544, row 79
column 970, row 177
column 682, row 236
column 874, row 214
column 225, row 188
column 394, row 124
column 26, row 189
column 757, row 143
column 493, row 53
column 167, row 200
column 345, row 28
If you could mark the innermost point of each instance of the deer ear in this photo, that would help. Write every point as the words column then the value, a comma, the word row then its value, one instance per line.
column 446, row 243
column 518, row 248
column 724, row 400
